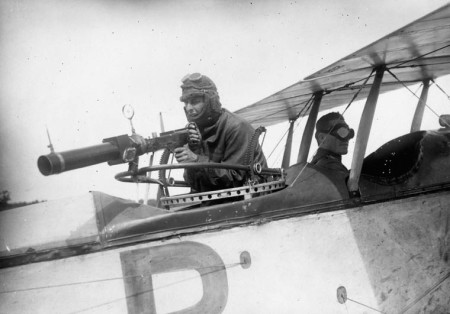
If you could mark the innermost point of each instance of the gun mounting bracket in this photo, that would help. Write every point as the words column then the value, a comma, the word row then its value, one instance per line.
column 245, row 191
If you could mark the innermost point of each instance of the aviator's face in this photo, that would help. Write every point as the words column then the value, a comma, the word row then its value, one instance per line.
column 332, row 143
column 194, row 106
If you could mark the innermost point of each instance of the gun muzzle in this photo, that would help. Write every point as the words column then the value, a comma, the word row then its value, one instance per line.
column 54, row 163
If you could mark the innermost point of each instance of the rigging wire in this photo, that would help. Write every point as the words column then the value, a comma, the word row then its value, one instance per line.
column 393, row 67
column 362, row 304
column 346, row 86
column 115, row 278
column 216, row 268
column 419, row 57
column 68, row 284
column 305, row 108
column 308, row 104
column 401, row 82
column 281, row 152
column 220, row 268
column 353, row 98
column 448, row 97
column 425, row 293
column 359, row 90
column 278, row 143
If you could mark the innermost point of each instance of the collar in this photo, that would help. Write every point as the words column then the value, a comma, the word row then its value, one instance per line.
column 322, row 152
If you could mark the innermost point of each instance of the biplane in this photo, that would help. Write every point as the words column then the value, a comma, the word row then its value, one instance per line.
column 304, row 242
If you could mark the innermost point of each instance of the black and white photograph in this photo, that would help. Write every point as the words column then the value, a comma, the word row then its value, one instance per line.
column 213, row 156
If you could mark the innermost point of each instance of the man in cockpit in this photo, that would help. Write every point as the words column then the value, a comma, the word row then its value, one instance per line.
column 333, row 135
column 216, row 135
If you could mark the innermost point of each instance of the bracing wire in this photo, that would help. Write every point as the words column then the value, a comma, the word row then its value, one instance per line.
column 297, row 124
column 404, row 85
column 218, row 268
column 365, row 305
column 304, row 109
column 365, row 80
column 448, row 97
column 278, row 143
column 425, row 293
column 347, row 85
column 353, row 98
column 359, row 90
column 110, row 279
column 414, row 301
column 351, row 101
column 419, row 57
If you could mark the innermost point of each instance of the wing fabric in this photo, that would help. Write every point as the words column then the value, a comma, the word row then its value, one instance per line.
column 418, row 51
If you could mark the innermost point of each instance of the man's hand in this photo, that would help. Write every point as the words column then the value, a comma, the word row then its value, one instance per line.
column 184, row 154
column 194, row 134
column 139, row 140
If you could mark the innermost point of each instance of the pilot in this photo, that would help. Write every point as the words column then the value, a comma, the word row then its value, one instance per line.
column 333, row 135
column 220, row 136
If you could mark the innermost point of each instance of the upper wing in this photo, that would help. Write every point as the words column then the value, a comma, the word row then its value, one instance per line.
column 418, row 51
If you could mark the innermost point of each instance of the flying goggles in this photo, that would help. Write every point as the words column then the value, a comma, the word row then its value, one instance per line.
column 342, row 132
column 196, row 84
column 194, row 77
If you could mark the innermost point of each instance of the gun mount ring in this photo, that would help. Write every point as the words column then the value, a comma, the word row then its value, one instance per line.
column 140, row 175
column 131, row 177
column 193, row 165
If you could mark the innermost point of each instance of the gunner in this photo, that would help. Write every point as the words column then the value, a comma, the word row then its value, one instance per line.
column 220, row 136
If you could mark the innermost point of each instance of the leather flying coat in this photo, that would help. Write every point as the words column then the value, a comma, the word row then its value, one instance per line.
column 226, row 141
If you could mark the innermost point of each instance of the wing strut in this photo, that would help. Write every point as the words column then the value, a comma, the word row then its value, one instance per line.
column 309, row 129
column 363, row 132
column 418, row 114
column 287, row 150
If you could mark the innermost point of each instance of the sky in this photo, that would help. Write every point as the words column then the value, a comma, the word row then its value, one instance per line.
column 70, row 66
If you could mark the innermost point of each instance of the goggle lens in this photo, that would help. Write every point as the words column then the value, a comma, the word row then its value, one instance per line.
column 343, row 132
column 194, row 77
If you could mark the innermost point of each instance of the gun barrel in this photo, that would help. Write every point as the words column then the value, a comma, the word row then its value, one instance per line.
column 114, row 150
column 54, row 163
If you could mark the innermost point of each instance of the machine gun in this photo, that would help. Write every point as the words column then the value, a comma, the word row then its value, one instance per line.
column 125, row 148
column 114, row 150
